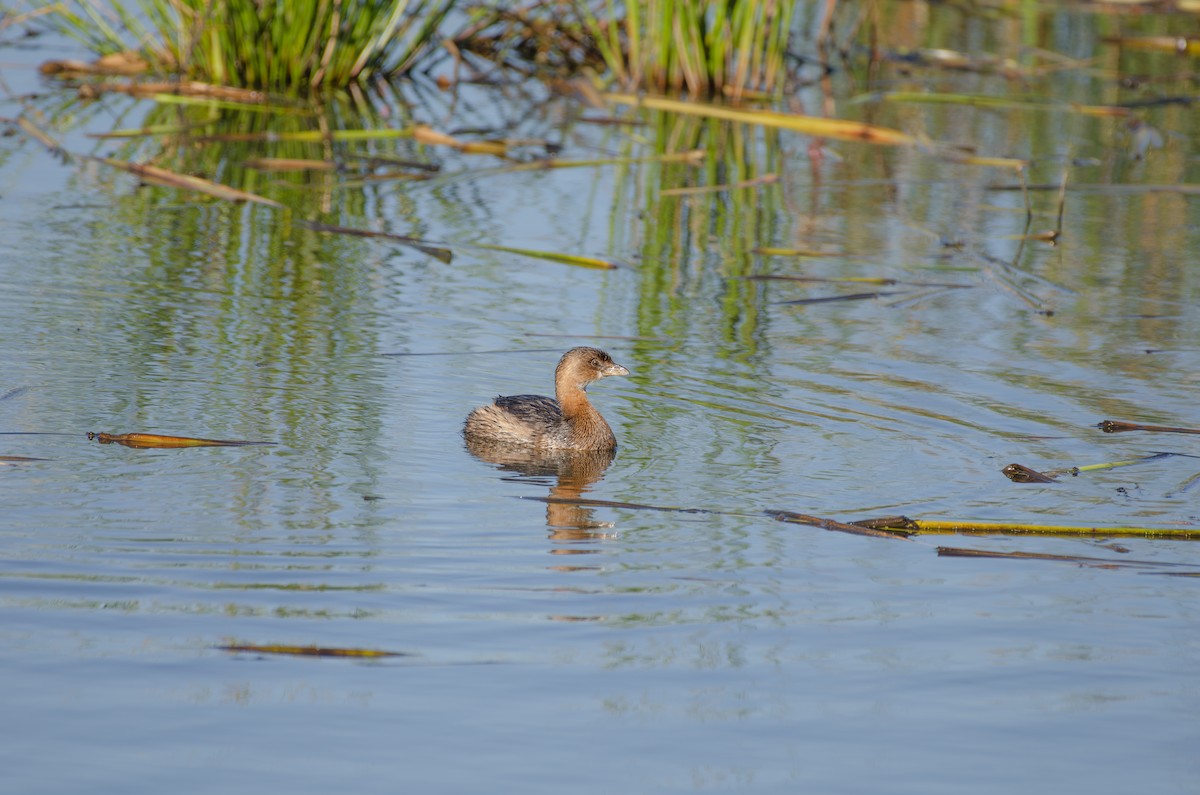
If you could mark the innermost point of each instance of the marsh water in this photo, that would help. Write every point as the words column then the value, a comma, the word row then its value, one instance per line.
column 550, row 646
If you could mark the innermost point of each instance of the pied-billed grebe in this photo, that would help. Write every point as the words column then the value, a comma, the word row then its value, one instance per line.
column 569, row 423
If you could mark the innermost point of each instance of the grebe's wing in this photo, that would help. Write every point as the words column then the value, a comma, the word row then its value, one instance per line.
column 532, row 408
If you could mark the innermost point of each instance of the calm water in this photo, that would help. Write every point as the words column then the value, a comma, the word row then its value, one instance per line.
column 553, row 647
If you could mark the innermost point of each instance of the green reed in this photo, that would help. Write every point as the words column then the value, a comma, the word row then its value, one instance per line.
column 704, row 47
column 277, row 45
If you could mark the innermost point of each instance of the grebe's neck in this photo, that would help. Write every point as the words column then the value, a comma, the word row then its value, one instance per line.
column 582, row 418
column 573, row 400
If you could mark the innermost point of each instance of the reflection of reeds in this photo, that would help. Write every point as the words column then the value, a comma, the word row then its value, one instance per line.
column 228, row 146
column 699, row 212
column 262, row 43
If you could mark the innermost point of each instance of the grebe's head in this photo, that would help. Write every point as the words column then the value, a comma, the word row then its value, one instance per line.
column 582, row 366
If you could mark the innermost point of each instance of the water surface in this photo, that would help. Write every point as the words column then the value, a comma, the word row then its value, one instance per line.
column 597, row 648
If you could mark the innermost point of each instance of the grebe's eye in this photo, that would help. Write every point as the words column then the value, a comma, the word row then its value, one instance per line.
column 595, row 362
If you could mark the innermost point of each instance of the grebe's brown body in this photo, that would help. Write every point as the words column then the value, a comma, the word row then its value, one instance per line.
column 568, row 421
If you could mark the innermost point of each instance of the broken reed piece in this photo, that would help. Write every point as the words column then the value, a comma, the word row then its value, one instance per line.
column 1116, row 426
column 833, row 524
column 309, row 651
column 1019, row 473
column 589, row 502
column 957, row 527
column 154, row 440
column 1078, row 560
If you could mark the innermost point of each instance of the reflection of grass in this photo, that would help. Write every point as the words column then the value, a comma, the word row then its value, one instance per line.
column 702, row 221
column 228, row 152
column 269, row 44
column 219, row 146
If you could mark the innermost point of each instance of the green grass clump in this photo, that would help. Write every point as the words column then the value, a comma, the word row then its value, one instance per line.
column 278, row 45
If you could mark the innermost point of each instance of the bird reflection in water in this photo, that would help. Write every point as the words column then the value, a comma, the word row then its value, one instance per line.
column 569, row 474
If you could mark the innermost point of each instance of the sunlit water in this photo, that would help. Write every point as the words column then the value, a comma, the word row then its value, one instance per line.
column 549, row 647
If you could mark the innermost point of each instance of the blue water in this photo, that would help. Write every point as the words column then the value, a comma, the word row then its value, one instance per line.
column 548, row 647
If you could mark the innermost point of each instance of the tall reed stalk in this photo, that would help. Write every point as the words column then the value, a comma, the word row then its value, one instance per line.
column 704, row 47
column 278, row 45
